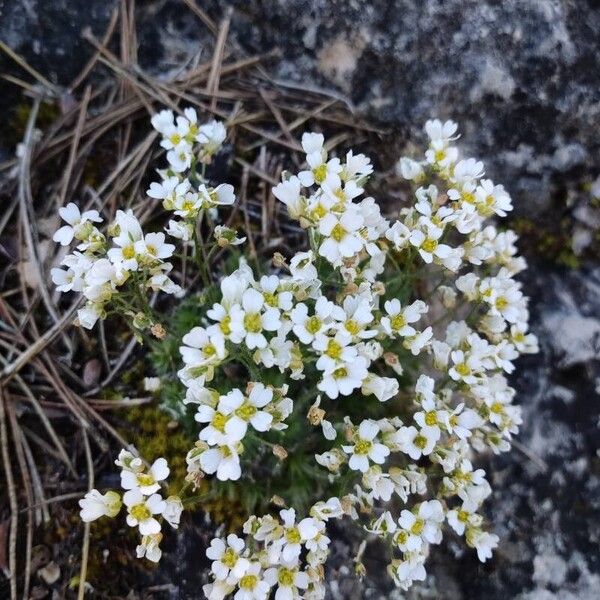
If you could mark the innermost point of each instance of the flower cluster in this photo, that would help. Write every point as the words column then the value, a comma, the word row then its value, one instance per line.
column 386, row 344
column 183, row 190
column 115, row 272
column 145, row 506
column 117, row 276
column 271, row 561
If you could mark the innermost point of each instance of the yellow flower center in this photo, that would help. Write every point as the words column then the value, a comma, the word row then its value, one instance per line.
column 340, row 372
column 187, row 205
column 320, row 173
column 225, row 325
column 420, row 441
column 334, row 349
column 463, row 516
column 229, row 558
column 145, row 479
column 429, row 245
column 399, row 321
column 418, row 527
column 313, row 324
column 440, row 155
column 175, row 138
column 293, row 536
column 271, row 299
column 463, row 369
column 286, row 577
column 219, row 421
column 246, row 411
column 363, row 447
column 128, row 252
column 501, row 303
column 248, row 582
column 209, row 350
column 318, row 212
column 352, row 326
column 140, row 512
column 151, row 249
column 338, row 233
column 431, row 418
column 252, row 322
column 468, row 197
column 496, row 408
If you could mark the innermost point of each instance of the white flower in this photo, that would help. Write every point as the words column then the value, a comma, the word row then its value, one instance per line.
column 153, row 247
column 417, row 442
column 149, row 547
column 398, row 319
column 180, row 230
column 428, row 244
column 172, row 511
column 424, row 525
column 244, row 410
column 416, row 343
column 88, row 315
column 409, row 169
column 380, row 484
column 163, row 122
column 438, row 131
column 227, row 557
column 249, row 320
column 289, row 193
column 465, row 367
column 302, row 267
column 251, row 585
column 332, row 509
column 274, row 297
column 383, row 388
column 465, row 516
column 222, row 195
column 408, row 570
column 169, row 190
column 462, row 420
column 202, row 350
column 322, row 172
column 180, row 157
column 288, row 579
column 130, row 232
column 342, row 235
column 308, row 328
column 365, row 448
column 343, row 377
column 483, row 542
column 141, row 510
column 212, row 135
column 79, row 224
column 95, row 505
column 295, row 534
column 222, row 460
column 147, row 483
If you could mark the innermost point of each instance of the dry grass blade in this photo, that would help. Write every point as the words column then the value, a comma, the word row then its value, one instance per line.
column 39, row 345
column 212, row 26
column 27, row 214
column 12, row 496
column 85, row 549
column 74, row 146
column 212, row 85
column 23, row 64
column 25, row 476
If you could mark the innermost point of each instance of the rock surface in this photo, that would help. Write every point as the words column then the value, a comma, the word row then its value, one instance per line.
column 522, row 79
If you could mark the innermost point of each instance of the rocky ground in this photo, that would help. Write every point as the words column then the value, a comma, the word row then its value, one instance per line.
column 522, row 80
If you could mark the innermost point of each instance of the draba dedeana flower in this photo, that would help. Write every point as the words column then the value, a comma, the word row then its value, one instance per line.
column 374, row 359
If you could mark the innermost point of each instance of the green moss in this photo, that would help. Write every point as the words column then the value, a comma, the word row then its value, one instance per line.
column 16, row 123
column 154, row 433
